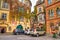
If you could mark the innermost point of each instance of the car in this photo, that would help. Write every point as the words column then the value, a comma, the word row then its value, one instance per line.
column 27, row 31
column 37, row 32
column 18, row 30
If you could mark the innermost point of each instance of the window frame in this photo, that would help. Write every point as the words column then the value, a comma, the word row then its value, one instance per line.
column 4, row 17
column 3, row 3
column 39, row 9
column 51, row 13
column 58, row 11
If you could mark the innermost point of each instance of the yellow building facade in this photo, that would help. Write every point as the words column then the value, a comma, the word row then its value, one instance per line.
column 9, row 15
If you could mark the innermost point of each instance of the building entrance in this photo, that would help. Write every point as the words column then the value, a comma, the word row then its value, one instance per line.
column 2, row 29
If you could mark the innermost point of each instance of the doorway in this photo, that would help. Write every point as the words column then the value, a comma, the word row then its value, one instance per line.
column 2, row 29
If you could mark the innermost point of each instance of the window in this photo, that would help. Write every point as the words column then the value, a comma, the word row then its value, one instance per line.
column 41, row 1
column 21, row 0
column 51, row 13
column 20, row 9
column 27, row 3
column 58, row 11
column 39, row 10
column 49, row 2
column 4, row 16
column 41, row 17
column 22, row 18
column 5, row 5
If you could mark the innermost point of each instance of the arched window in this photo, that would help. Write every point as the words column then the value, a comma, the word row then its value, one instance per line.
column 58, row 11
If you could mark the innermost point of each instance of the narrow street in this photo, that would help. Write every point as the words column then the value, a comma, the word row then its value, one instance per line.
column 25, row 37
column 34, row 17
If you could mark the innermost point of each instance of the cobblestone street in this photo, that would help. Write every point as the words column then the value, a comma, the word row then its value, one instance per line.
column 25, row 37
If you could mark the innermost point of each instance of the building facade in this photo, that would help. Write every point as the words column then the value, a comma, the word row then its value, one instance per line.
column 52, row 14
column 13, row 13
column 40, row 5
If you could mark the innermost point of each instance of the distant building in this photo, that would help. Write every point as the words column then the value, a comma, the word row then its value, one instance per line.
column 52, row 14
column 40, row 5
column 13, row 12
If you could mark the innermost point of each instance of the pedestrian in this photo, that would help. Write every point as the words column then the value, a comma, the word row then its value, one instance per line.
column 54, row 32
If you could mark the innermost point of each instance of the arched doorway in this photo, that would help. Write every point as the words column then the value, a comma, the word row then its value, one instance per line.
column 52, row 26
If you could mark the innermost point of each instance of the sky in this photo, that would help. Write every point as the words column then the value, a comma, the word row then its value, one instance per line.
column 33, row 4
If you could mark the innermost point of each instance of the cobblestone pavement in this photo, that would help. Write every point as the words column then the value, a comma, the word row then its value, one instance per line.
column 26, row 37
